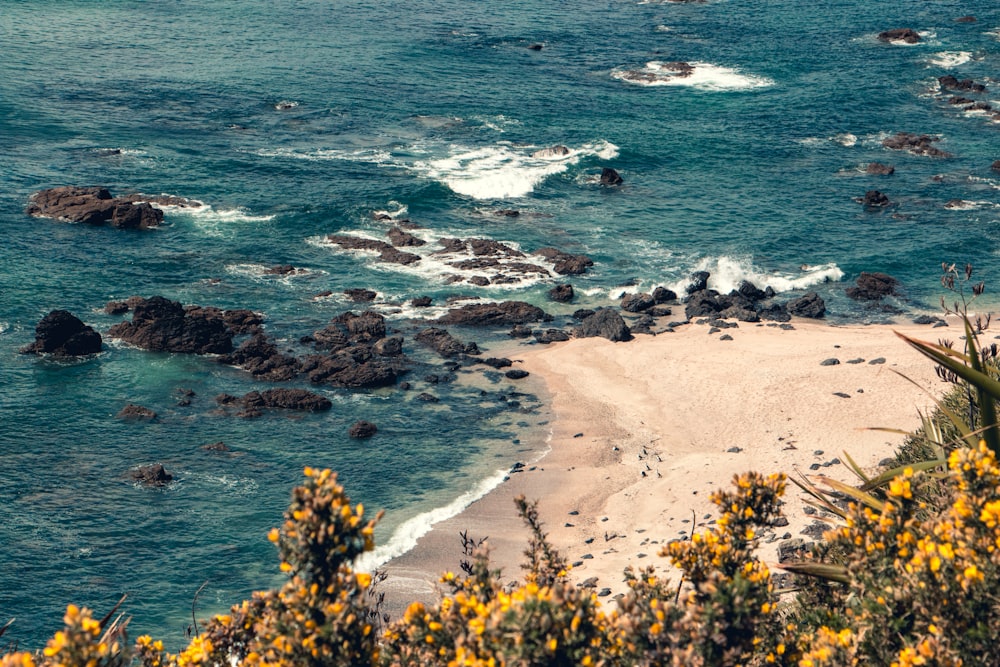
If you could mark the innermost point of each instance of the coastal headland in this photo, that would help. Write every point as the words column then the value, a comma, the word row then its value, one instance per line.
column 643, row 432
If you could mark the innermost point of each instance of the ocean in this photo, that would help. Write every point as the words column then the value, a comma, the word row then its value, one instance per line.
column 290, row 121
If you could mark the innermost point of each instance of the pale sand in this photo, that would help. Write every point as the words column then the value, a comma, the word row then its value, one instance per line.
column 643, row 431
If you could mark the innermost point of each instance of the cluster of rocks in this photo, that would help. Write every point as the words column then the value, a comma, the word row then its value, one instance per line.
column 918, row 144
column 97, row 206
column 905, row 35
column 255, row 402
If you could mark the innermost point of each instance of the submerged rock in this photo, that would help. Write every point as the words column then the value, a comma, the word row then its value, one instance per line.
column 362, row 429
column 151, row 475
column 907, row 35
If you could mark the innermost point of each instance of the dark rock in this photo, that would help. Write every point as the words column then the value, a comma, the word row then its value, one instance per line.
column 995, row 166
column 494, row 314
column 345, row 370
column 551, row 336
column 93, row 205
column 610, row 177
column 566, row 264
column 360, row 295
column 663, row 295
column 965, row 19
column 873, row 287
column 444, row 343
column 737, row 312
column 516, row 374
column 389, row 347
column 926, row 319
column 605, row 323
column 830, row 362
column 135, row 413
column 362, row 429
column 660, row 311
column 387, row 253
column 636, row 303
column 703, row 303
column 280, row 270
column 151, row 475
column 421, row 302
column 793, row 549
column 561, row 293
column 907, row 35
column 535, row 47
column 116, row 307
column 283, row 399
column 161, row 325
column 919, row 144
column 427, row 398
column 261, row 358
column 583, row 313
column 496, row 363
column 552, row 151
column 215, row 447
column 875, row 199
column 507, row 213
column 808, row 305
column 366, row 327
column 949, row 82
column 699, row 282
column 750, row 292
column 481, row 281
column 775, row 312
column 401, row 239
column 879, row 169
column 62, row 334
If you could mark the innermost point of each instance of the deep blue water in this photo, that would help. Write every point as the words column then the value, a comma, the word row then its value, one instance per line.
column 294, row 120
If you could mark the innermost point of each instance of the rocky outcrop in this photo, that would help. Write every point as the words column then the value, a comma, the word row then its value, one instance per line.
column 565, row 263
column 551, row 151
column 879, row 169
column 62, row 334
column 255, row 402
column 636, row 303
column 260, row 357
column 387, row 253
column 875, row 199
column 360, row 295
column 561, row 293
column 161, row 325
column 136, row 413
column 362, row 429
column 873, row 287
column 403, row 239
column 444, row 343
column 949, row 82
column 605, row 323
column 494, row 314
column 918, row 144
column 808, row 305
column 151, row 475
column 610, row 177
column 906, row 35
column 96, row 206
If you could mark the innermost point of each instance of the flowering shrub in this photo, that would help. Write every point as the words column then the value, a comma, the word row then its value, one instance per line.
column 917, row 568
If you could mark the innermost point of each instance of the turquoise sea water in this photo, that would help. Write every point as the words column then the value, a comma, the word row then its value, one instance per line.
column 294, row 120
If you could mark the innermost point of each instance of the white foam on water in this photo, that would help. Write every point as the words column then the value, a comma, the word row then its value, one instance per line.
column 4, row 327
column 949, row 59
column 504, row 171
column 260, row 272
column 728, row 272
column 845, row 139
column 498, row 123
column 400, row 212
column 284, row 105
column 704, row 76
column 215, row 222
column 370, row 155
column 406, row 534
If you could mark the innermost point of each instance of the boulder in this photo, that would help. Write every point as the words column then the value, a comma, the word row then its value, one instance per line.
column 360, row 295
column 286, row 399
column 161, row 325
column 550, row 336
column 664, row 295
column 775, row 312
column 561, row 293
column 949, row 82
column 995, row 166
column 421, row 302
column 387, row 253
column 699, row 282
column 808, row 305
column 135, row 413
column 907, row 35
column 551, row 151
column 610, row 177
column 516, row 374
column 566, row 264
column 918, row 144
column 362, row 429
column 636, row 303
column 873, row 287
column 704, row 303
column 402, row 239
column 388, row 347
column 606, row 323
column 444, row 343
column 750, row 292
column 875, row 199
column 879, row 169
column 151, row 475
column 62, row 334
column 261, row 358
column 494, row 314
column 94, row 206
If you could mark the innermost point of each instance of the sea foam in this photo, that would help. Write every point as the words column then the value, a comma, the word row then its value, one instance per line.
column 702, row 76
column 728, row 272
column 504, row 171
column 949, row 59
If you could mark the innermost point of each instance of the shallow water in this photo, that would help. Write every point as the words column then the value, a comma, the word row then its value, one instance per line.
column 292, row 121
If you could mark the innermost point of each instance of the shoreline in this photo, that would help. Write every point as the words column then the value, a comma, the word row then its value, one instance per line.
column 644, row 431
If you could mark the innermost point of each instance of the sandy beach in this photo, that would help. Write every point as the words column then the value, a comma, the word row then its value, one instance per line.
column 644, row 431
